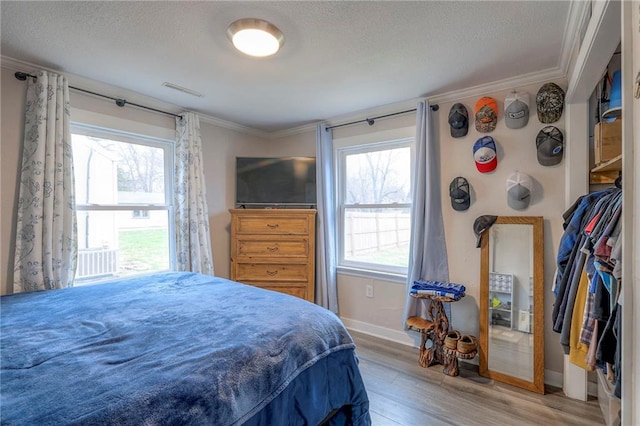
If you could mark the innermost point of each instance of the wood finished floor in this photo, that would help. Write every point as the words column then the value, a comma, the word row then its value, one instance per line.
column 403, row 393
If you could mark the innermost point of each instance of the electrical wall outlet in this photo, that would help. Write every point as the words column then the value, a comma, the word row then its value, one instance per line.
column 369, row 290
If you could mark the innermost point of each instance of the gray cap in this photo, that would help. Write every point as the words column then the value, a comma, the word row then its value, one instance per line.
column 549, row 146
column 516, row 110
column 519, row 187
column 459, row 193
column 458, row 120
column 481, row 224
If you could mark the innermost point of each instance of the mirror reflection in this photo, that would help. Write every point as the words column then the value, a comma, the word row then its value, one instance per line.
column 511, row 306
column 511, row 300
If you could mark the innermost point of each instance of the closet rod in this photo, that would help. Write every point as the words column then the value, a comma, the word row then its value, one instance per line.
column 372, row 120
column 22, row 76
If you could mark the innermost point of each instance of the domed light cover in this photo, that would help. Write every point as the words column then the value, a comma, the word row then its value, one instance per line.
column 255, row 37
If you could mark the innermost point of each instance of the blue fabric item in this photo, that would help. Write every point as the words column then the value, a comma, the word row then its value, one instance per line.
column 438, row 285
column 427, row 246
column 175, row 348
column 326, row 282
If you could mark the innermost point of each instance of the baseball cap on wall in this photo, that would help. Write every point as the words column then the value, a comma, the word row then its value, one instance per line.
column 519, row 188
column 481, row 224
column 458, row 120
column 516, row 110
column 550, row 103
column 485, row 154
column 486, row 111
column 549, row 146
column 459, row 193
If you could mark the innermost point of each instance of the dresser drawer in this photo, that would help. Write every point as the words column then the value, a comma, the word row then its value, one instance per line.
column 256, row 248
column 248, row 272
column 286, row 288
column 272, row 225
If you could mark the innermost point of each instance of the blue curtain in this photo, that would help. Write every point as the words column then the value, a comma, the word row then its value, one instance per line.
column 326, row 288
column 428, row 250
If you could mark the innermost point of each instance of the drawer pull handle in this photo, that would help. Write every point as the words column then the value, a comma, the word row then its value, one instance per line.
column 272, row 249
column 270, row 226
column 271, row 273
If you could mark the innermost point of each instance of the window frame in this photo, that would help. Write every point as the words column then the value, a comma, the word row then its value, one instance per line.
column 168, row 147
column 342, row 151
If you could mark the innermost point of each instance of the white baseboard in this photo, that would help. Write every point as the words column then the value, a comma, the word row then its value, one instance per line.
column 401, row 337
column 551, row 378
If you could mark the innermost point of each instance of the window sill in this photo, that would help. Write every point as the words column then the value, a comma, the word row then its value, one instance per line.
column 386, row 276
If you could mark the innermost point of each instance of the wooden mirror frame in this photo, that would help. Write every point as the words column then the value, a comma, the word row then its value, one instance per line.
column 537, row 384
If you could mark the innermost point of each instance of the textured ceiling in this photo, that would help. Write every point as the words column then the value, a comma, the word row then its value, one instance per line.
column 338, row 57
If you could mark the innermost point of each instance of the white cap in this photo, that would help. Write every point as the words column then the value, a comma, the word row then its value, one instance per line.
column 519, row 189
column 516, row 110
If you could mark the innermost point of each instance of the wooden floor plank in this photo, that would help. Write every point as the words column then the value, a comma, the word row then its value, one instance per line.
column 403, row 393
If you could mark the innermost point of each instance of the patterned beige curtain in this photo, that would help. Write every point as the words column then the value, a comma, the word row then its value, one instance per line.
column 193, row 244
column 46, row 243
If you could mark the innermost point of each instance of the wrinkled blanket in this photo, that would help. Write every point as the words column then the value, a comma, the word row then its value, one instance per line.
column 176, row 348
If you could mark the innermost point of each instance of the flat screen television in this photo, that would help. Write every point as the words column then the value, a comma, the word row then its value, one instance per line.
column 281, row 181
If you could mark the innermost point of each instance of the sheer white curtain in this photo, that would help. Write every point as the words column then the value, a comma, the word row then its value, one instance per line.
column 193, row 243
column 326, row 288
column 428, row 250
column 46, row 235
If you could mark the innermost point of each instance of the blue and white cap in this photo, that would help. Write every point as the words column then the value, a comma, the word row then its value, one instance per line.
column 485, row 154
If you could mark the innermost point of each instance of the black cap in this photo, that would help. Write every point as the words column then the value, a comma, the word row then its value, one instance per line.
column 549, row 146
column 459, row 193
column 481, row 224
column 458, row 120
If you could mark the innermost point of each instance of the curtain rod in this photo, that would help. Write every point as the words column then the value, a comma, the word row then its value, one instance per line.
column 372, row 120
column 22, row 76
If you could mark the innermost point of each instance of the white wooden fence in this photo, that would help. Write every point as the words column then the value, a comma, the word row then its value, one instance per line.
column 368, row 232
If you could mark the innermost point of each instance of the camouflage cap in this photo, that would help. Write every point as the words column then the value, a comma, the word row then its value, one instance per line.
column 550, row 103
column 486, row 111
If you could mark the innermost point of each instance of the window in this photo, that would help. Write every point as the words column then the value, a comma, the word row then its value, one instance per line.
column 140, row 214
column 374, row 187
column 124, row 187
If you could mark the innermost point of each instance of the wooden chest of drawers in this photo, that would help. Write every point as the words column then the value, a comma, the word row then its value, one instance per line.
column 274, row 249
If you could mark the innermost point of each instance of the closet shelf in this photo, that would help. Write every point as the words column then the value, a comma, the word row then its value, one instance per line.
column 606, row 173
column 615, row 164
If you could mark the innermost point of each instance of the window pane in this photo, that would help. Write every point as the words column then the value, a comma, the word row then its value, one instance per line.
column 110, row 172
column 377, row 236
column 379, row 177
column 115, row 243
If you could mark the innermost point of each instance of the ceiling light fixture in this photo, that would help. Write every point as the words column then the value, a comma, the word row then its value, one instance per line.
column 255, row 37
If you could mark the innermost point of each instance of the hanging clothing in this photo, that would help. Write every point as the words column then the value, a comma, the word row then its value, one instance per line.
column 587, row 285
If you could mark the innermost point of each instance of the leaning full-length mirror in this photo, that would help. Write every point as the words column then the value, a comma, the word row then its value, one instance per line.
column 512, row 302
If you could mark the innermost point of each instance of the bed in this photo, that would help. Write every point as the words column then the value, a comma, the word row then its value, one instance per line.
column 175, row 348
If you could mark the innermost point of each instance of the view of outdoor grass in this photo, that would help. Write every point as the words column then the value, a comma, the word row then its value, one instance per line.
column 393, row 256
column 143, row 250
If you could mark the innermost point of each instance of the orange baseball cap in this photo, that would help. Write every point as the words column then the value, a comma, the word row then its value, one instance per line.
column 486, row 111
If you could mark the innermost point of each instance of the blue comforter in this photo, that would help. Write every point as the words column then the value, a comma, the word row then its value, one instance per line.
column 177, row 348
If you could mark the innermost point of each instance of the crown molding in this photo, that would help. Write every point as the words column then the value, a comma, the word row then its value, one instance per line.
column 575, row 27
column 230, row 125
